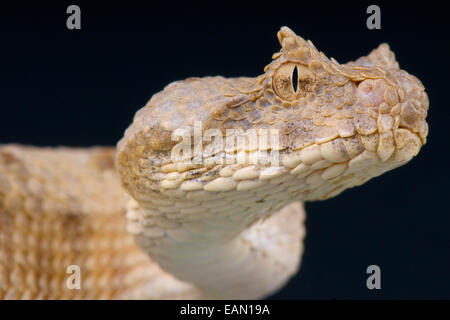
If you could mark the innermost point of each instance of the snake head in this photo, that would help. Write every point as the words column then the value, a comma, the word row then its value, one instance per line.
column 339, row 125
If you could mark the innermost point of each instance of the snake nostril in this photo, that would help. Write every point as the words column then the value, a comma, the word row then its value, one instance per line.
column 371, row 92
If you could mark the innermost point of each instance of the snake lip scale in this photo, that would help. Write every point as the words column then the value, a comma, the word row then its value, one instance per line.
column 143, row 225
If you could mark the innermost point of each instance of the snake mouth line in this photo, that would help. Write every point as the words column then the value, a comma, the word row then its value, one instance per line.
column 263, row 146
column 341, row 162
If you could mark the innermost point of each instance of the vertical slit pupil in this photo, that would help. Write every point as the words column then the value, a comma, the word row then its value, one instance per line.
column 295, row 79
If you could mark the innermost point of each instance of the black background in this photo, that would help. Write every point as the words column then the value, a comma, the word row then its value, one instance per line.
column 82, row 88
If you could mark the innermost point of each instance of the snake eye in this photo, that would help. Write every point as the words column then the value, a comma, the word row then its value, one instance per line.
column 283, row 81
column 292, row 81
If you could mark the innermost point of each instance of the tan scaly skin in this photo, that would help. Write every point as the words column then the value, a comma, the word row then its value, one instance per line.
column 206, row 230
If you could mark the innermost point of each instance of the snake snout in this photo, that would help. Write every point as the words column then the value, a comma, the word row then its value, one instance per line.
column 413, row 108
column 406, row 103
column 400, row 104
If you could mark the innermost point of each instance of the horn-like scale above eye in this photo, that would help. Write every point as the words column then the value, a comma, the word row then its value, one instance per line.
column 292, row 81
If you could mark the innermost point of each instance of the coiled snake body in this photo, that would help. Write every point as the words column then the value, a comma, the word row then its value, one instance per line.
column 215, row 227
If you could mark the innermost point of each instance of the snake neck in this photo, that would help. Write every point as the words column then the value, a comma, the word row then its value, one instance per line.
column 222, row 255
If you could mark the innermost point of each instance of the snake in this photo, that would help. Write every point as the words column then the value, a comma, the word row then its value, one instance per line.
column 203, row 196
